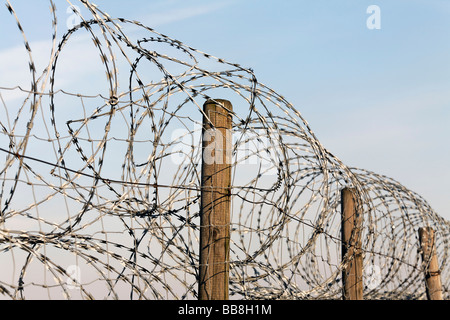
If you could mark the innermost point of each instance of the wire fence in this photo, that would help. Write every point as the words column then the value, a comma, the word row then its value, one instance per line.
column 100, row 182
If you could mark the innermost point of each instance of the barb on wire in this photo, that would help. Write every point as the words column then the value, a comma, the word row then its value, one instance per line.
column 101, row 178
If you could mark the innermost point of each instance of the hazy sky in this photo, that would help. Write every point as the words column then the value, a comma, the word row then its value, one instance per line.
column 378, row 99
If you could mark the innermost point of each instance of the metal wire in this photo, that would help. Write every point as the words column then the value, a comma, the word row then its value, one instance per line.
column 100, row 192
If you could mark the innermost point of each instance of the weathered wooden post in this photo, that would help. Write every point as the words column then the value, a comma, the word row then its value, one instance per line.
column 352, row 277
column 429, row 258
column 215, row 201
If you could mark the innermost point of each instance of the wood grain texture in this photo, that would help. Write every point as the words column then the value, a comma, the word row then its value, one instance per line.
column 352, row 274
column 215, row 201
column 429, row 258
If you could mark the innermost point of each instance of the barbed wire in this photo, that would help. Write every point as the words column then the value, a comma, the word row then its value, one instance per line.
column 100, row 193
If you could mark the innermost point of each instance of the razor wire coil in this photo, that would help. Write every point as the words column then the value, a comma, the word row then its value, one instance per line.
column 100, row 191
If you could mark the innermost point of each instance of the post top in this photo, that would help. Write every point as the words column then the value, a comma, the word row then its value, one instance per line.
column 222, row 102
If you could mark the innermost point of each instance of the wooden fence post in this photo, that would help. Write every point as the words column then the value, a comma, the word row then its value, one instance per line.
column 429, row 258
column 351, row 246
column 215, row 201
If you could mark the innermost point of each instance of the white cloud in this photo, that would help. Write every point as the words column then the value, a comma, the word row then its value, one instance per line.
column 74, row 64
column 77, row 57
column 179, row 14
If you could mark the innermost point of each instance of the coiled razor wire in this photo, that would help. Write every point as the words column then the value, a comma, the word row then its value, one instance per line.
column 100, row 192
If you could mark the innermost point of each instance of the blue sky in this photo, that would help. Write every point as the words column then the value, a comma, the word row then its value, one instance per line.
column 377, row 99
